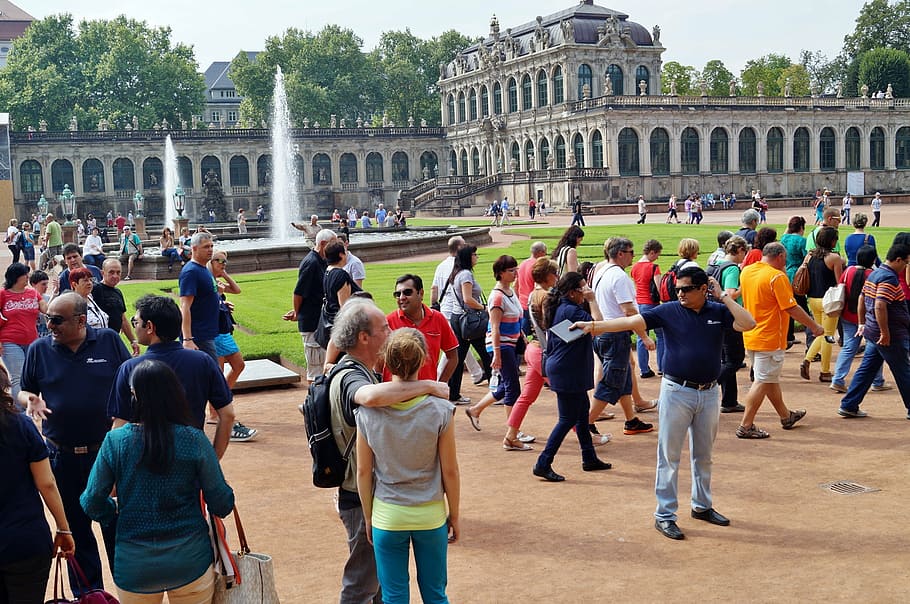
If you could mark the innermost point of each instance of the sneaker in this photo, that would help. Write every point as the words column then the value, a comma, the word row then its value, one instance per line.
column 847, row 413
column 839, row 388
column 600, row 439
column 526, row 438
column 241, row 433
column 882, row 388
column 752, row 431
column 824, row 376
column 127, row 278
column 795, row 415
column 650, row 406
column 636, row 426
column 462, row 400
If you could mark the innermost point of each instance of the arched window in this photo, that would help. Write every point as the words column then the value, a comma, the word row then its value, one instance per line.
column 453, row 162
column 32, row 179
column 153, row 173
column 513, row 96
column 516, row 155
column 544, row 154
column 578, row 145
column 851, row 149
column 642, row 73
column 464, row 163
column 560, row 144
column 484, row 101
column 475, row 162
column 827, row 150
column 239, row 168
column 526, row 92
column 877, row 149
column 747, row 151
column 530, row 159
column 264, row 169
column 584, row 77
column 688, row 147
column 775, row 148
column 614, row 72
column 719, row 151
column 61, row 174
column 400, row 170
column 902, row 149
column 559, row 95
column 461, row 112
column 660, row 152
column 541, row 88
column 184, row 172
column 497, row 99
column 450, row 103
column 125, row 177
column 597, row 150
column 628, row 152
column 374, row 169
column 300, row 171
column 209, row 162
column 472, row 105
column 93, row 176
column 347, row 168
column 801, row 150
column 429, row 161
column 322, row 169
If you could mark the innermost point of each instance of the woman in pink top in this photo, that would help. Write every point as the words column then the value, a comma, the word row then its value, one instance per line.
column 19, row 308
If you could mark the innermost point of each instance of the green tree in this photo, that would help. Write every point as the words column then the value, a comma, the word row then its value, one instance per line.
column 767, row 70
column 717, row 77
column 880, row 24
column 407, row 76
column 824, row 74
column 883, row 66
column 799, row 80
column 106, row 70
column 685, row 77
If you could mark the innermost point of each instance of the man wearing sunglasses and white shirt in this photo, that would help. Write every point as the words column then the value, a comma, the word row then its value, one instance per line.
column 412, row 312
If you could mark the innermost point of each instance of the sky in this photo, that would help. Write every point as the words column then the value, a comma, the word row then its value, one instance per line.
column 694, row 31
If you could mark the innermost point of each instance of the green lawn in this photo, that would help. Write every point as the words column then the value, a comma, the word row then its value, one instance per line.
column 267, row 296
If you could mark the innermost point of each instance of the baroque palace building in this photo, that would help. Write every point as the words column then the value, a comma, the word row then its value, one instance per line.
column 567, row 104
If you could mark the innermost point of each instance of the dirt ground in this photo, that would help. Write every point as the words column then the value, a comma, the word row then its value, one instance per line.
column 525, row 540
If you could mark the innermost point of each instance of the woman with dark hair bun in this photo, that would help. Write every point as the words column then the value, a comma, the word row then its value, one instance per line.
column 158, row 465
column 570, row 369
column 566, row 252
column 19, row 309
column 465, row 293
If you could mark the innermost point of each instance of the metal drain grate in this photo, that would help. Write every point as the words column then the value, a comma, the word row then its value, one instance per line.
column 847, row 488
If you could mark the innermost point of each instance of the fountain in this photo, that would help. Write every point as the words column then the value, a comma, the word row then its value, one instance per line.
column 284, row 178
column 171, row 182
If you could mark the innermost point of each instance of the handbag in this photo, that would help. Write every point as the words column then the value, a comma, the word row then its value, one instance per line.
column 89, row 596
column 834, row 300
column 801, row 278
column 255, row 578
column 225, row 319
column 324, row 328
column 472, row 324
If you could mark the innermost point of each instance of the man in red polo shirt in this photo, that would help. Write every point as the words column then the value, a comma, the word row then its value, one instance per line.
column 412, row 312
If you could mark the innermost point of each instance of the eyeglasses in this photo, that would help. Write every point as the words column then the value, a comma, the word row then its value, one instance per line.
column 685, row 289
column 222, row 261
column 408, row 291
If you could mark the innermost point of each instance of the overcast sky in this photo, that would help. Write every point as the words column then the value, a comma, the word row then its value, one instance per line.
column 693, row 32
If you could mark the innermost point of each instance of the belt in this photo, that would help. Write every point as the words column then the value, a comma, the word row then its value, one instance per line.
column 692, row 385
column 83, row 450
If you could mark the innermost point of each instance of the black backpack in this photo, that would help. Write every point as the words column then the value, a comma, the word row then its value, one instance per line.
column 329, row 463
column 717, row 271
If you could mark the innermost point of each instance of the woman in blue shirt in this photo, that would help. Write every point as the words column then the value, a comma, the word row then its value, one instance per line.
column 570, row 369
column 158, row 465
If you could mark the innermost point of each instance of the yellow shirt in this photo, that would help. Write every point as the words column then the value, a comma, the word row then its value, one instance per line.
column 766, row 294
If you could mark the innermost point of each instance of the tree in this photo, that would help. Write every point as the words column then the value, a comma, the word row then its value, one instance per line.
column 767, row 70
column 880, row 24
column 407, row 76
column 685, row 77
column 717, row 78
column 107, row 70
column 799, row 80
column 883, row 66
column 824, row 75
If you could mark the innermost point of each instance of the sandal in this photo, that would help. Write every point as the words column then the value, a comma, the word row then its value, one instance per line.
column 652, row 405
column 515, row 445
column 475, row 421
column 752, row 431
column 604, row 416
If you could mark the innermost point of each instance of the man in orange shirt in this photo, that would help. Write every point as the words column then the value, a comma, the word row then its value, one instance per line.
column 768, row 297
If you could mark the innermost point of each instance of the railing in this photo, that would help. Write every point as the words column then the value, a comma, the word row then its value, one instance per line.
column 349, row 186
column 239, row 190
column 736, row 101
column 375, row 185
column 401, row 184
column 209, row 134
column 419, row 188
column 124, row 193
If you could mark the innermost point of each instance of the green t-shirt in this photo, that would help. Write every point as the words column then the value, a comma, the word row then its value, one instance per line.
column 810, row 242
column 54, row 234
column 729, row 279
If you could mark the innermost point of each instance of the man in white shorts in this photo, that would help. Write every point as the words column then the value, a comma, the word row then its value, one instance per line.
column 768, row 297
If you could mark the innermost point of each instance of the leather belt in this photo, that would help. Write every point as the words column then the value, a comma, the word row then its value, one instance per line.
column 83, row 450
column 692, row 385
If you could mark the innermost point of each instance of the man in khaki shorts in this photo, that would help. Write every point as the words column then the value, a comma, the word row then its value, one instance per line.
column 768, row 297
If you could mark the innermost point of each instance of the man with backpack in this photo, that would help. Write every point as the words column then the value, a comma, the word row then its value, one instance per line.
column 360, row 330
column 726, row 273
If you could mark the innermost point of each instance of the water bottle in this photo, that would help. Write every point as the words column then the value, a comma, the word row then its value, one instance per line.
column 494, row 381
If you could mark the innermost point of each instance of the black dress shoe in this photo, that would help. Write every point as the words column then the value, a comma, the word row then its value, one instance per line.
column 669, row 529
column 737, row 408
column 648, row 374
column 712, row 516
column 595, row 465
column 548, row 474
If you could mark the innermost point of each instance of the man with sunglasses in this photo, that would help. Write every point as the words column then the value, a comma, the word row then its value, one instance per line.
column 412, row 312
column 61, row 380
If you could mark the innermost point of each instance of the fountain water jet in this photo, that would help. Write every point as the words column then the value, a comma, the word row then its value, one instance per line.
column 285, row 202
column 171, row 182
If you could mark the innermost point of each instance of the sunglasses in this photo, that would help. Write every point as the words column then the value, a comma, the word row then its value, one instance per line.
column 58, row 320
column 404, row 292
column 222, row 261
column 685, row 289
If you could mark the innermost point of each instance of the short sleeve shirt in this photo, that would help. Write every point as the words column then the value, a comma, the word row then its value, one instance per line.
column 525, row 281
column 643, row 273
column 613, row 287
column 691, row 358
column 20, row 315
column 464, row 276
column 309, row 287
column 436, row 331
column 510, row 321
column 197, row 281
column 440, row 278
column 883, row 284
column 110, row 299
column 767, row 295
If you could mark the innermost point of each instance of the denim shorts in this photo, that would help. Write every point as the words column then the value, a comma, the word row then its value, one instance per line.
column 614, row 349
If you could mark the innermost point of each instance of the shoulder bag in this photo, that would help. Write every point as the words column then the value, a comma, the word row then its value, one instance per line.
column 472, row 324
column 834, row 299
column 89, row 596
column 801, row 278
column 254, row 581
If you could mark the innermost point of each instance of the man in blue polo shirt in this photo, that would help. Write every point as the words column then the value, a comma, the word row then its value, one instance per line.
column 157, row 325
column 689, row 401
column 61, row 381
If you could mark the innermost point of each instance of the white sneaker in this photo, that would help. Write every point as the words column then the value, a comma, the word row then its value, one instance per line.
column 525, row 438
column 600, row 439
column 882, row 388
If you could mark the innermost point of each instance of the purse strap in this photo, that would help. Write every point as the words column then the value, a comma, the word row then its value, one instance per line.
column 244, row 546
column 58, row 580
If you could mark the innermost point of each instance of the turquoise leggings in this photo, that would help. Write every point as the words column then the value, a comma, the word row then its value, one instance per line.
column 392, row 549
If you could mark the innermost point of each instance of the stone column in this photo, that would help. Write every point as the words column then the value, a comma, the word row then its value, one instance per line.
column 890, row 148
column 675, row 151
column 814, row 151
column 864, row 151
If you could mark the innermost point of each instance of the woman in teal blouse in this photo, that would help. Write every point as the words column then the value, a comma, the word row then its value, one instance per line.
column 158, row 466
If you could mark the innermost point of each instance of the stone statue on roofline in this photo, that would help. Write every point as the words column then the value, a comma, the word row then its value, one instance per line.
column 333, row 123
column 761, row 88
column 787, row 89
column 568, row 31
column 864, row 90
column 136, row 123
column 410, row 121
column 608, row 86
column 74, row 124
column 655, row 35
column 642, row 88
column 732, row 87
column 889, row 92
column 42, row 125
column 423, row 122
column 673, row 91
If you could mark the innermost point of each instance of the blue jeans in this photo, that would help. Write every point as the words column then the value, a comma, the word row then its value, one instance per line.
column 573, row 412
column 696, row 412
column 643, row 353
column 14, row 359
column 897, row 355
column 613, row 350
column 845, row 357
column 509, row 380
column 392, row 554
